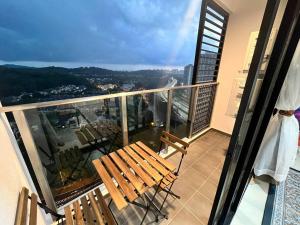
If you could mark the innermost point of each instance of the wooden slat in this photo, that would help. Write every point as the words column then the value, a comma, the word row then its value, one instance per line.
column 183, row 151
column 86, row 211
column 97, row 212
column 176, row 139
column 87, row 134
column 94, row 132
column 104, row 130
column 81, row 138
column 21, row 214
column 143, row 175
column 173, row 176
column 150, row 160
column 168, row 180
column 106, row 211
column 33, row 210
column 78, row 213
column 165, row 182
column 127, row 172
column 109, row 184
column 68, row 215
column 152, row 172
column 131, row 195
column 163, row 161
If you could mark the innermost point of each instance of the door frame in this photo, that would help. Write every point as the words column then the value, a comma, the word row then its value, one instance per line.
column 225, row 206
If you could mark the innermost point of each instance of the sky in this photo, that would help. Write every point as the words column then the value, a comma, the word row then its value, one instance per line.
column 99, row 32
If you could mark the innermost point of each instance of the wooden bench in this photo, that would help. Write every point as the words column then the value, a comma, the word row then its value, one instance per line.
column 90, row 209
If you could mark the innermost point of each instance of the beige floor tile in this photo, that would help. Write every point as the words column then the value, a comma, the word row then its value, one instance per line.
column 211, row 159
column 193, row 178
column 215, row 176
column 208, row 190
column 203, row 167
column 184, row 217
column 200, row 206
column 184, row 189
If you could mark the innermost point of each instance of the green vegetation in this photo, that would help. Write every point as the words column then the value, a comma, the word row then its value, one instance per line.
column 16, row 80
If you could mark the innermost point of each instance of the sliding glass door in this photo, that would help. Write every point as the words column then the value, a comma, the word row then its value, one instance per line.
column 266, row 74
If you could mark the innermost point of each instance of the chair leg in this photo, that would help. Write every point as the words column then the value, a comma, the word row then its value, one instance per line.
column 152, row 199
column 168, row 192
column 171, row 193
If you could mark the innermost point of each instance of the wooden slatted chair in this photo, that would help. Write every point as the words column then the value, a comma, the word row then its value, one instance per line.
column 173, row 141
column 90, row 209
column 21, row 214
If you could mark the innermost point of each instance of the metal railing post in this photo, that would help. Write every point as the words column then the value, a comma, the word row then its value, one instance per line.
column 35, row 160
column 124, row 120
column 194, row 99
column 169, row 110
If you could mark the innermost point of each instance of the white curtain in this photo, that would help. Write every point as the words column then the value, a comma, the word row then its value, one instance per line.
column 278, row 150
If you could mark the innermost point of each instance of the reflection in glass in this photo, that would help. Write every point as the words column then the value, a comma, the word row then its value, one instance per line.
column 69, row 137
column 147, row 118
column 180, row 112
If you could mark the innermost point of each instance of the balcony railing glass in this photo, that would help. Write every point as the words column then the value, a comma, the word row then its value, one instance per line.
column 61, row 138
column 146, row 116
column 180, row 112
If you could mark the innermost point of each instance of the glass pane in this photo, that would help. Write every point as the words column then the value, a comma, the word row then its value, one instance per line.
column 215, row 13
column 213, row 27
column 69, row 137
column 212, row 34
column 209, row 48
column 147, row 118
column 214, row 19
column 211, row 41
column 180, row 112
column 238, row 142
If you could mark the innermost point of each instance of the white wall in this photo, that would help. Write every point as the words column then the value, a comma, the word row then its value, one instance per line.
column 243, row 20
column 245, row 17
column 13, row 176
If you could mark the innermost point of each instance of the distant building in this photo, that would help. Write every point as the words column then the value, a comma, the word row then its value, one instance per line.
column 127, row 87
column 188, row 73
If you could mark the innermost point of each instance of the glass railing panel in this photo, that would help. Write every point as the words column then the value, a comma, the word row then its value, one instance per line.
column 146, row 118
column 69, row 137
column 180, row 112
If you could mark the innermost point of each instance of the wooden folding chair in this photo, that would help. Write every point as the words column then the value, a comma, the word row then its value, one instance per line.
column 171, row 140
column 90, row 209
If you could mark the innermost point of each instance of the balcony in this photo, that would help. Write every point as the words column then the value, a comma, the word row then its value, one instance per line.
column 59, row 139
column 49, row 146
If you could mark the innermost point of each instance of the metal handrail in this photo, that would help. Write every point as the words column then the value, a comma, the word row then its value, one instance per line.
column 22, row 107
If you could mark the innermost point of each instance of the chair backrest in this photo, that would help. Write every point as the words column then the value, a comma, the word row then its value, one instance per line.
column 91, row 209
column 22, row 208
column 170, row 140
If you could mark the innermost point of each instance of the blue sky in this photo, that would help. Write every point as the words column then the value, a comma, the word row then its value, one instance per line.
column 145, row 32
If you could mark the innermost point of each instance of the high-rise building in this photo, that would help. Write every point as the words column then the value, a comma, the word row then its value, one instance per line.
column 188, row 73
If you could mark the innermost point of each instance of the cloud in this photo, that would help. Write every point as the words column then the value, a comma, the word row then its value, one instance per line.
column 107, row 31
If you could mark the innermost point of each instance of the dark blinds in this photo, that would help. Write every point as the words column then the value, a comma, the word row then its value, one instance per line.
column 212, row 29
